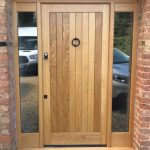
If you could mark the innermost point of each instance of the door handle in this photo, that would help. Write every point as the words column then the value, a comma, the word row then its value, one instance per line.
column 75, row 42
column 45, row 56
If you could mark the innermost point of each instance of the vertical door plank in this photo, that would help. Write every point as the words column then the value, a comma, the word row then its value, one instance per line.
column 59, row 72
column 91, row 72
column 97, row 70
column 72, row 77
column 85, row 57
column 78, row 73
column 53, row 102
column 65, row 96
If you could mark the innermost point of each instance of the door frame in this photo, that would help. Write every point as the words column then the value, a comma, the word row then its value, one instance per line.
column 125, row 138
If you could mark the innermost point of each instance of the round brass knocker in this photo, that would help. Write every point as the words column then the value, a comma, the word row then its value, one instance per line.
column 75, row 42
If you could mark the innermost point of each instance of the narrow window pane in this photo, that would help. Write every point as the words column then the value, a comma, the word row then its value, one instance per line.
column 121, row 71
column 28, row 70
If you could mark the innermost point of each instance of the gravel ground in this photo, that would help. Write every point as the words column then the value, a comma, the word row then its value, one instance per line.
column 119, row 122
column 29, row 103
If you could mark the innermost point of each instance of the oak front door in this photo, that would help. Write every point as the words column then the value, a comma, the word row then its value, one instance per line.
column 75, row 71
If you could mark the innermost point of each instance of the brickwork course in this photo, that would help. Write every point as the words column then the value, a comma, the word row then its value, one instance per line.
column 142, row 102
column 7, row 94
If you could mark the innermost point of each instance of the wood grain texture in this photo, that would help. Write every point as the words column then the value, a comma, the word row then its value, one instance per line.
column 124, row 7
column 72, row 77
column 59, row 72
column 78, row 73
column 111, row 47
column 97, row 70
column 53, row 100
column 85, row 58
column 46, row 75
column 25, row 6
column 77, row 86
column 75, row 138
column 82, row 148
column 104, row 74
column 40, row 73
column 77, row 1
column 17, row 80
column 65, row 82
column 133, row 73
column 91, row 72
column 121, row 139
column 29, row 140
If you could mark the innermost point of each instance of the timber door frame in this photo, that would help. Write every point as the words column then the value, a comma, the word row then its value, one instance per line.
column 36, row 139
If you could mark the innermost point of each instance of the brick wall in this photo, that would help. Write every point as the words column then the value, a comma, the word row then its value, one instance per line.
column 142, row 104
column 7, row 93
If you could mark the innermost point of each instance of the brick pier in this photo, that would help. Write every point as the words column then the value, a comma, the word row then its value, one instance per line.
column 7, row 92
column 142, row 99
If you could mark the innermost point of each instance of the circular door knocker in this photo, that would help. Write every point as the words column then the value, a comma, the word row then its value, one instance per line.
column 75, row 42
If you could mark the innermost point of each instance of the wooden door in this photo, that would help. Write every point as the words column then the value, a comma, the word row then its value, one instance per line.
column 75, row 77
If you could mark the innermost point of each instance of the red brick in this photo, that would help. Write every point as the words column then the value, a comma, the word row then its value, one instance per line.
column 3, row 12
column 145, row 87
column 145, row 36
column 143, row 82
column 3, row 64
column 3, row 50
column 146, row 119
column 144, row 125
column 5, row 119
column 136, row 145
column 146, row 8
column 3, row 37
column 3, row 70
column 145, row 94
column 144, row 148
column 146, row 22
column 4, row 101
column 146, row 113
column 142, row 103
column 4, row 138
column 4, row 89
column 142, row 136
column 3, row 57
column 144, row 62
column 145, row 100
column 4, row 83
column 144, row 106
column 4, row 95
column 145, row 143
column 144, row 131
column 145, row 75
column 7, row 93
column 4, row 76
column 145, row 56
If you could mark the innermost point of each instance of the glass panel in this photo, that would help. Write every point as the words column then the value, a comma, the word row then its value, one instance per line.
column 28, row 68
column 121, row 70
